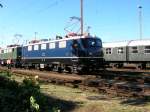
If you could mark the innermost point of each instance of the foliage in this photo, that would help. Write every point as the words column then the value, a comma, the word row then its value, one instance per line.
column 33, row 104
column 25, row 97
column 55, row 109
column 5, row 74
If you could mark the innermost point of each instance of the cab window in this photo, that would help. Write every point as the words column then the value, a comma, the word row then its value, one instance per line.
column 91, row 42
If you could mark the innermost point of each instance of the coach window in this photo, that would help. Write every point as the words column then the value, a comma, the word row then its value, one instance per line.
column 43, row 46
column 134, row 49
column 5, row 51
column 52, row 45
column 10, row 50
column 29, row 48
column 13, row 49
column 147, row 49
column 108, row 51
column 2, row 51
column 62, row 44
column 120, row 50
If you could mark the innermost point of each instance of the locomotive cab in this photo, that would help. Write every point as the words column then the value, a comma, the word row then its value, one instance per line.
column 92, row 47
column 89, row 53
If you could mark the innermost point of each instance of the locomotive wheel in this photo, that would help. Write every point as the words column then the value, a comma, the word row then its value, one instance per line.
column 60, row 70
column 119, row 65
column 69, row 69
column 82, row 70
column 143, row 65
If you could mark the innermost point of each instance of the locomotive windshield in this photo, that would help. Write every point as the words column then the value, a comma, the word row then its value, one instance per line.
column 91, row 42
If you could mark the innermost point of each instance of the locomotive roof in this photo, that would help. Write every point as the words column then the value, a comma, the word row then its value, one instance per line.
column 10, row 47
column 139, row 43
column 127, row 43
column 64, row 39
column 115, row 44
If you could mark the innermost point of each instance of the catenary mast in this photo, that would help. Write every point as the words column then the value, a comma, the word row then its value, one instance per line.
column 140, row 21
column 81, row 16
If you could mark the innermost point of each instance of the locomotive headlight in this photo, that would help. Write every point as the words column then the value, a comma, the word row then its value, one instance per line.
column 90, row 53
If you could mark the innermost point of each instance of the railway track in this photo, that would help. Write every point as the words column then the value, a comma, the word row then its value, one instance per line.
column 122, row 83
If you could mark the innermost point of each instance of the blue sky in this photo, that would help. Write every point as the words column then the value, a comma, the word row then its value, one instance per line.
column 111, row 20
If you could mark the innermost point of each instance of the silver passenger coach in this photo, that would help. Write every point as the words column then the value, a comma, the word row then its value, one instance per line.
column 133, row 51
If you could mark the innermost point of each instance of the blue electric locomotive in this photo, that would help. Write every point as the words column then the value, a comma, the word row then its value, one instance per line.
column 78, row 53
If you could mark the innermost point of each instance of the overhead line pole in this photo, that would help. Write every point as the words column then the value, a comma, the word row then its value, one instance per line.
column 81, row 16
column 140, row 21
column 35, row 33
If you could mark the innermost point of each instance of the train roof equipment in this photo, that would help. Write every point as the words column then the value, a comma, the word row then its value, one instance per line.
column 139, row 42
column 63, row 39
column 115, row 44
column 127, row 43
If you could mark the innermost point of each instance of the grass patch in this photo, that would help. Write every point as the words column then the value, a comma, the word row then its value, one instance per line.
column 75, row 100
column 93, row 102
column 5, row 74
column 26, row 97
